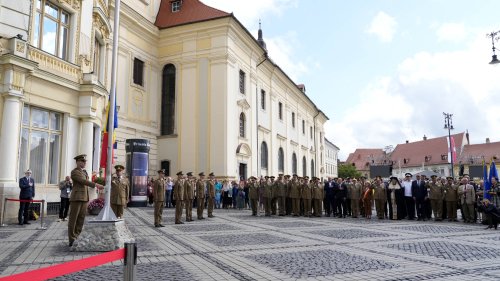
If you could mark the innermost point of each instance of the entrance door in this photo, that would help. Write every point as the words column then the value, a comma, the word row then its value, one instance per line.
column 243, row 171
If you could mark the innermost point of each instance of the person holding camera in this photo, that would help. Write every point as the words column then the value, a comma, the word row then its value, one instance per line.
column 65, row 186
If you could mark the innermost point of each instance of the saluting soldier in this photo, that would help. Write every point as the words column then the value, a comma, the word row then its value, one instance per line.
column 295, row 195
column 436, row 195
column 159, row 188
column 451, row 198
column 281, row 194
column 355, row 192
column 79, row 198
column 380, row 197
column 189, row 196
column 200, row 195
column 211, row 194
column 267, row 195
column 317, row 195
column 307, row 195
column 179, row 196
column 120, row 188
column 253, row 194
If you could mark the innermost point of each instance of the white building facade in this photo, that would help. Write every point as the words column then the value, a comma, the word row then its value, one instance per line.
column 331, row 159
column 203, row 92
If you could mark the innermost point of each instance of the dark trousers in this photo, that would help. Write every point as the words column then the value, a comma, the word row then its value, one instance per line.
column 341, row 208
column 23, row 215
column 421, row 208
column 410, row 207
column 326, row 203
column 63, row 208
column 348, row 206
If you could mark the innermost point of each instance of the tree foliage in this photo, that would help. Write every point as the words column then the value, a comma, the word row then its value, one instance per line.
column 348, row 171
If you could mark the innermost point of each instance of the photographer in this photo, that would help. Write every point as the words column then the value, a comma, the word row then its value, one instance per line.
column 65, row 186
column 491, row 212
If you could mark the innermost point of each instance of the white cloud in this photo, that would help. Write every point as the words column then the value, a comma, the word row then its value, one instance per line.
column 282, row 53
column 383, row 26
column 411, row 103
column 452, row 32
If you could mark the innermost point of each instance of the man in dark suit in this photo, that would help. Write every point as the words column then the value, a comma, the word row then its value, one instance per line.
column 79, row 198
column 27, row 186
column 419, row 192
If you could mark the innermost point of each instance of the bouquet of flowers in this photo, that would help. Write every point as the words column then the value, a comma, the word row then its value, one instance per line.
column 96, row 204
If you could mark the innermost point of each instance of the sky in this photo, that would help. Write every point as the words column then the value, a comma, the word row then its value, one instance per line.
column 384, row 71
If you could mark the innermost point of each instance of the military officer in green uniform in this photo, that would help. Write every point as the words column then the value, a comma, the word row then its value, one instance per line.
column 200, row 195
column 159, row 187
column 120, row 189
column 306, row 195
column 179, row 196
column 189, row 196
column 267, row 195
column 211, row 194
column 451, row 198
column 380, row 197
column 79, row 198
column 253, row 194
column 295, row 195
column 281, row 194
column 355, row 193
column 436, row 195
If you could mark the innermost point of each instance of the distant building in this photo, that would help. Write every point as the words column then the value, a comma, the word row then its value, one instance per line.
column 426, row 155
column 331, row 159
column 471, row 159
column 362, row 158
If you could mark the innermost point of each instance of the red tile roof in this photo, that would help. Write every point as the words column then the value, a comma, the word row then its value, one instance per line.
column 475, row 153
column 430, row 152
column 191, row 11
column 363, row 156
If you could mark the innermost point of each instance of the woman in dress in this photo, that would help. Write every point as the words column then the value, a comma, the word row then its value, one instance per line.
column 368, row 199
column 218, row 194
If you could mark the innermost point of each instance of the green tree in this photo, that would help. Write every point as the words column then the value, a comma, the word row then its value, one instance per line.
column 348, row 171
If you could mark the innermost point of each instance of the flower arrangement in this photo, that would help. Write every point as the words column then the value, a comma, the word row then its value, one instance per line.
column 100, row 180
column 96, row 204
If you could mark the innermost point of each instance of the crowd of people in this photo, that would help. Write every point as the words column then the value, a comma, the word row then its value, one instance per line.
column 412, row 198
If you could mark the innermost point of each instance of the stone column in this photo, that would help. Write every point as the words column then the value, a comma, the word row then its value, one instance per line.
column 9, row 137
column 86, row 147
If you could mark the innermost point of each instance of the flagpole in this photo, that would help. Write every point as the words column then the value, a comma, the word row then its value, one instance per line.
column 106, row 213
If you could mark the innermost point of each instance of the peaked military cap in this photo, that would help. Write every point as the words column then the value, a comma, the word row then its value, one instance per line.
column 189, row 174
column 119, row 167
column 161, row 171
column 81, row 157
column 201, row 174
column 211, row 174
column 408, row 175
column 180, row 173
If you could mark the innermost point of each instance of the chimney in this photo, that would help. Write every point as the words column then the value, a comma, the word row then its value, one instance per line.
column 425, row 137
column 487, row 140
column 467, row 136
column 407, row 141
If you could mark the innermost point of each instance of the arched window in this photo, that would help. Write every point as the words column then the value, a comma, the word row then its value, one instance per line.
column 242, row 124
column 168, row 100
column 281, row 160
column 312, row 168
column 304, row 167
column 294, row 163
column 263, row 155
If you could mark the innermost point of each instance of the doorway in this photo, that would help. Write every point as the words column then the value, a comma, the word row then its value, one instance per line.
column 243, row 171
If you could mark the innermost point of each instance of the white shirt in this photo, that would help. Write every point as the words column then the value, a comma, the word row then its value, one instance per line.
column 407, row 186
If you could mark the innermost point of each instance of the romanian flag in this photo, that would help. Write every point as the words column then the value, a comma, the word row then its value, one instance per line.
column 453, row 149
column 487, row 184
column 104, row 148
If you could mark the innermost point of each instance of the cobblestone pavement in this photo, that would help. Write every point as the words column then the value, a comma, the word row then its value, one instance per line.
column 236, row 246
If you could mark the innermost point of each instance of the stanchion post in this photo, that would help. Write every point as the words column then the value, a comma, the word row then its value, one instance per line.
column 130, row 261
column 3, row 212
column 41, row 215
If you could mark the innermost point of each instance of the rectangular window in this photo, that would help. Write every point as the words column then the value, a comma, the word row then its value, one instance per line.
column 98, row 59
column 176, row 6
column 311, row 131
column 293, row 119
column 263, row 99
column 303, row 127
column 51, row 32
column 280, row 111
column 138, row 72
column 242, row 82
column 41, row 138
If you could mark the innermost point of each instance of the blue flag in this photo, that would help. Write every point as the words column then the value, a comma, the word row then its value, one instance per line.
column 487, row 185
column 493, row 172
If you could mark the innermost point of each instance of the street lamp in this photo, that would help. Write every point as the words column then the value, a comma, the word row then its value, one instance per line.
column 493, row 36
column 448, row 124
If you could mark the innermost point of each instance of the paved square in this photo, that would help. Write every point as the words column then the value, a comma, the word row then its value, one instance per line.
column 237, row 246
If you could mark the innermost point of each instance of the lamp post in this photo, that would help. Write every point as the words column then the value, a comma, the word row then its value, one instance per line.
column 493, row 36
column 448, row 124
